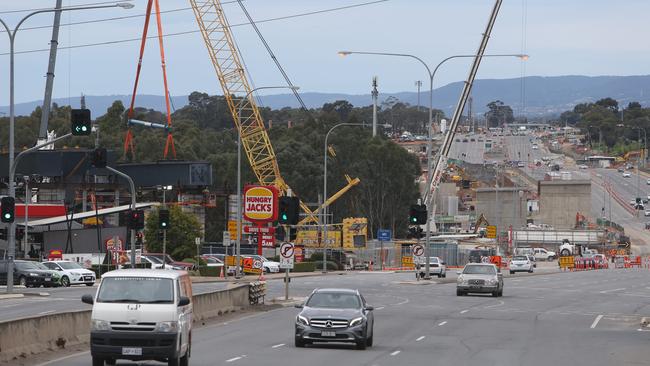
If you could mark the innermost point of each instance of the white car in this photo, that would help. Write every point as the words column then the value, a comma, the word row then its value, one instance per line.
column 582, row 166
column 627, row 175
column 646, row 213
column 72, row 273
column 521, row 263
column 535, row 147
column 648, row 183
column 436, row 267
column 544, row 255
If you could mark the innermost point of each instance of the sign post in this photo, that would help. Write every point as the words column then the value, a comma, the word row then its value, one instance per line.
column 226, row 240
column 287, row 251
column 383, row 235
column 260, row 206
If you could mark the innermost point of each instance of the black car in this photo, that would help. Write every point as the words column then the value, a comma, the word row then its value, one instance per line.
column 27, row 274
column 335, row 315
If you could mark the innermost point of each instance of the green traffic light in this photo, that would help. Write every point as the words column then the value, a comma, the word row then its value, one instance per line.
column 284, row 217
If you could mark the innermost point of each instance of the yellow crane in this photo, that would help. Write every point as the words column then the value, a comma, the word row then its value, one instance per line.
column 221, row 47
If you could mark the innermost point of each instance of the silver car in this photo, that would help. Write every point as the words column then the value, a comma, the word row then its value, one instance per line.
column 479, row 278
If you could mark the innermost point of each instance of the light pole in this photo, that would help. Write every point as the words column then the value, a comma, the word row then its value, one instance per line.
column 164, row 190
column 324, row 209
column 432, row 75
column 239, row 213
column 11, row 239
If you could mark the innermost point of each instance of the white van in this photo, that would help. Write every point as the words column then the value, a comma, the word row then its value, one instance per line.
column 141, row 314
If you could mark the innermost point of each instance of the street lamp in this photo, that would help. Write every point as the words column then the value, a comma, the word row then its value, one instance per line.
column 11, row 235
column 164, row 190
column 523, row 57
column 239, row 213
column 324, row 209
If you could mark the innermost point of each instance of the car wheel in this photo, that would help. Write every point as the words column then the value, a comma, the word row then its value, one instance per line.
column 299, row 342
column 530, row 270
column 98, row 361
column 459, row 292
column 444, row 275
column 267, row 270
column 565, row 252
column 361, row 345
column 185, row 360
column 495, row 293
column 89, row 284
column 370, row 340
column 174, row 361
column 501, row 292
column 512, row 272
column 22, row 281
column 65, row 281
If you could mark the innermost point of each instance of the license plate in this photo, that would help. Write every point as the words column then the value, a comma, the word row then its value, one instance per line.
column 88, row 278
column 475, row 287
column 328, row 334
column 48, row 279
column 132, row 351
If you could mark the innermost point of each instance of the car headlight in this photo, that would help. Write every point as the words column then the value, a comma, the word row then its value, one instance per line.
column 100, row 325
column 302, row 320
column 356, row 321
column 167, row 327
column 492, row 282
column 34, row 274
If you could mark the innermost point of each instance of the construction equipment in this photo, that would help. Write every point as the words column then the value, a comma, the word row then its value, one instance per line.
column 237, row 91
column 481, row 220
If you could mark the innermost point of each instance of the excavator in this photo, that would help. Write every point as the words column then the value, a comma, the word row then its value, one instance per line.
column 480, row 221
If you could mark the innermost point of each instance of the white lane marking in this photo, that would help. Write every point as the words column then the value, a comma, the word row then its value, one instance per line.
column 420, row 338
column 593, row 325
column 278, row 345
column 63, row 358
column 45, row 312
column 395, row 353
column 379, row 308
column 616, row 289
column 464, row 311
column 236, row 358
column 443, row 323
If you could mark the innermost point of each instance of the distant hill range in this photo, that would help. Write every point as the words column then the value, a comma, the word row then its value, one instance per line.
column 544, row 96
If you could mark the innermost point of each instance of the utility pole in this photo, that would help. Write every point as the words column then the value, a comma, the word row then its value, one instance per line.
column 375, row 95
column 470, row 100
column 418, row 83
column 49, row 81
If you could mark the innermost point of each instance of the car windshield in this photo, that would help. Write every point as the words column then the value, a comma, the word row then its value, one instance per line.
column 26, row 266
column 154, row 259
column 41, row 266
column 146, row 290
column 479, row 270
column 70, row 265
column 335, row 300
column 519, row 258
column 433, row 260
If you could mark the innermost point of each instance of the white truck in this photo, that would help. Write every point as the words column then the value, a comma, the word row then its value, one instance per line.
column 541, row 254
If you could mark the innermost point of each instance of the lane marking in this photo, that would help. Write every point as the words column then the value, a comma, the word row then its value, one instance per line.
column 464, row 311
column 395, row 353
column 379, row 308
column 236, row 358
column 616, row 289
column 420, row 338
column 593, row 325
column 278, row 345
column 443, row 323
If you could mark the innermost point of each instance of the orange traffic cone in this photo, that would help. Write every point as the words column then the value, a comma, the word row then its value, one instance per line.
column 221, row 273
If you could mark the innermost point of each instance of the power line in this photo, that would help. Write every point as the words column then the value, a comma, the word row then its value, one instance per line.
column 299, row 15
column 37, row 9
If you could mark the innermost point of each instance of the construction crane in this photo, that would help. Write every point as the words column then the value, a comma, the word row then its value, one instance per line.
column 225, row 58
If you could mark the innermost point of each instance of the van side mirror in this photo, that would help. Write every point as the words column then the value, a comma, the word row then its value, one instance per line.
column 87, row 299
column 183, row 301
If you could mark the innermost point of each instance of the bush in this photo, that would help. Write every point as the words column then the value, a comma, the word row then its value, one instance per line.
column 316, row 257
column 210, row 271
column 304, row 267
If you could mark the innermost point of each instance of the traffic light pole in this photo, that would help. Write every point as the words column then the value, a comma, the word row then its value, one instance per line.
column 132, row 188
column 164, row 234
column 11, row 233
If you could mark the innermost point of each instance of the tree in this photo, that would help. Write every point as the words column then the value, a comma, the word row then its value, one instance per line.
column 184, row 228
column 499, row 114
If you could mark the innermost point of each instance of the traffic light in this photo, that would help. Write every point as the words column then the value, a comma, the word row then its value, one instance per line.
column 100, row 157
column 136, row 219
column 163, row 219
column 288, row 210
column 81, row 124
column 7, row 208
column 418, row 215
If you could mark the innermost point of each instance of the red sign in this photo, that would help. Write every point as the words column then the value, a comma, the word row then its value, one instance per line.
column 55, row 254
column 299, row 254
column 259, row 229
column 268, row 240
column 260, row 203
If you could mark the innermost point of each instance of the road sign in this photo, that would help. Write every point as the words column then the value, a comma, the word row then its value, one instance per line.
column 491, row 232
column 259, row 229
column 268, row 240
column 226, row 238
column 253, row 266
column 260, row 203
column 418, row 254
column 287, row 251
column 383, row 234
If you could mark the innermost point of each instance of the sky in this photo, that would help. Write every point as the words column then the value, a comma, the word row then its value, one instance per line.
column 576, row 37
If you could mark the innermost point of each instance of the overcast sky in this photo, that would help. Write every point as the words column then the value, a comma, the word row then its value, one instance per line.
column 563, row 37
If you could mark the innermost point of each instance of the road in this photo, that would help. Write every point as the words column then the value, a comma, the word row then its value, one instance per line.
column 469, row 151
column 571, row 318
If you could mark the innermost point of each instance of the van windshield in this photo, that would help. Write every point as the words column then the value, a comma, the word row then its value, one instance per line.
column 144, row 290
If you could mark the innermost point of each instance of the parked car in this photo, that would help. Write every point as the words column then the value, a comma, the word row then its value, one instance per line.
column 521, row 263
column 141, row 314
column 620, row 170
column 335, row 315
column 157, row 263
column 231, row 270
column 544, row 255
column 267, row 265
column 479, row 278
column 212, row 261
column 72, row 273
column 169, row 260
column 56, row 276
column 26, row 273
column 436, row 267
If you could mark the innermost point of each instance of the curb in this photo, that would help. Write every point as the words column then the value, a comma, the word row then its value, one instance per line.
column 287, row 303
column 11, row 296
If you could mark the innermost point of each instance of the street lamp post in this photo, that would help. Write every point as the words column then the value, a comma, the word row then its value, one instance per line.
column 427, row 275
column 164, row 190
column 11, row 235
column 325, row 206
column 239, row 213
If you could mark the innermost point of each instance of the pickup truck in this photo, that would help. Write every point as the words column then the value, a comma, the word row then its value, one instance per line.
column 542, row 254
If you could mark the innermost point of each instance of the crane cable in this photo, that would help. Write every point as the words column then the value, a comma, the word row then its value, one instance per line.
column 128, row 141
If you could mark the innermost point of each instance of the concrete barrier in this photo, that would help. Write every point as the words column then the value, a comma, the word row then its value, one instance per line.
column 22, row 337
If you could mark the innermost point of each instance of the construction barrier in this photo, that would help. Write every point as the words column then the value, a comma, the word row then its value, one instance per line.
column 567, row 262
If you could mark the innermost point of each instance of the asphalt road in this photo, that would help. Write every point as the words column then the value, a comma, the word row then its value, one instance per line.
column 572, row 318
column 470, row 151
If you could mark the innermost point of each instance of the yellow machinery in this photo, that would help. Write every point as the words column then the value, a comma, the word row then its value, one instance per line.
column 481, row 220
column 221, row 47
